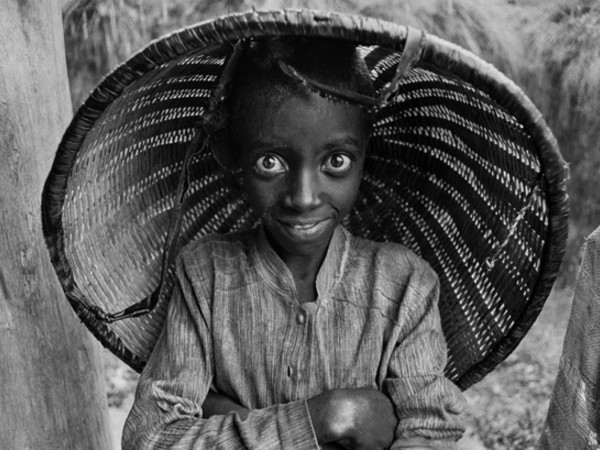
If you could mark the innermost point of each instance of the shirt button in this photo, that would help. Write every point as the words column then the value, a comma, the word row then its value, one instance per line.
column 300, row 318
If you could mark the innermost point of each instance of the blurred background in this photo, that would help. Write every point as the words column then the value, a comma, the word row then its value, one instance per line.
column 551, row 48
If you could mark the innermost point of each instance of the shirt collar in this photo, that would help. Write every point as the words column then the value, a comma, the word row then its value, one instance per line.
column 275, row 273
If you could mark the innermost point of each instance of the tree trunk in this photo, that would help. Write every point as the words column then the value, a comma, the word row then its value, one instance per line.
column 52, row 392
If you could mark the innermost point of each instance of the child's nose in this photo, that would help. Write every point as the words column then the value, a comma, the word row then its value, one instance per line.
column 303, row 191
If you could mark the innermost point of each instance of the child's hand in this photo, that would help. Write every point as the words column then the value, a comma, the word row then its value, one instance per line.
column 354, row 419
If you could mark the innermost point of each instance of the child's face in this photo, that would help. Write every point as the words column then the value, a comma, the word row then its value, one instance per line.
column 302, row 163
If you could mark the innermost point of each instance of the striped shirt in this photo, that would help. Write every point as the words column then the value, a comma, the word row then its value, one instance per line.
column 234, row 325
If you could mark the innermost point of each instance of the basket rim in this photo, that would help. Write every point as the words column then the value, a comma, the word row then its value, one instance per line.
column 362, row 30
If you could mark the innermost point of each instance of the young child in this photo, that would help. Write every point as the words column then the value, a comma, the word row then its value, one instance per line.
column 297, row 335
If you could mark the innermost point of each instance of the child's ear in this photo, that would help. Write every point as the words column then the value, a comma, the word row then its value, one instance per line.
column 223, row 149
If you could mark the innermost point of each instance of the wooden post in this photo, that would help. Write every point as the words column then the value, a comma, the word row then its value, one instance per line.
column 52, row 392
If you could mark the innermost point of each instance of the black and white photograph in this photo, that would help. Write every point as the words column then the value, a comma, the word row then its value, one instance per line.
column 301, row 224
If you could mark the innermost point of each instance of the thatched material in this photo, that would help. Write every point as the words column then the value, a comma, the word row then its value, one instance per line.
column 484, row 28
column 101, row 33
column 566, row 44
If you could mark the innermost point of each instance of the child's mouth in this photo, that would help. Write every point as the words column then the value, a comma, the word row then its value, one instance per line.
column 305, row 228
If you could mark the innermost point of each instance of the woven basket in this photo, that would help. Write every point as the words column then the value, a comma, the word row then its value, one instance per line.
column 461, row 168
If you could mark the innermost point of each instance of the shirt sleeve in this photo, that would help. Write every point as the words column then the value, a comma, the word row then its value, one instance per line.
column 427, row 404
column 167, row 411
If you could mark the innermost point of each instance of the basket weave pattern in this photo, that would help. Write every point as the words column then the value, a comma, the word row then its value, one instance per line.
column 461, row 169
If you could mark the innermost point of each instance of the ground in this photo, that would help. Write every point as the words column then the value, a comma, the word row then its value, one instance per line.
column 506, row 409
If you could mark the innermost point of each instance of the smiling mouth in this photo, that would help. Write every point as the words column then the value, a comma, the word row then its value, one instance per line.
column 305, row 228
column 302, row 226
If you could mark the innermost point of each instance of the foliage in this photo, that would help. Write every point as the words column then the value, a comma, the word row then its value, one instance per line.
column 103, row 31
column 98, row 35
column 471, row 24
column 567, row 46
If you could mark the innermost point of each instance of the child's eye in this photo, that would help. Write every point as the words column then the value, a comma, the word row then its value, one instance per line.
column 337, row 162
column 269, row 165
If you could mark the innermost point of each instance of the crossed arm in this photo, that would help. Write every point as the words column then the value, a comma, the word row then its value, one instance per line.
column 174, row 407
column 353, row 419
column 342, row 419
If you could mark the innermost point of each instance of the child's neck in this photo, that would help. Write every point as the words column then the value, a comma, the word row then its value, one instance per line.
column 304, row 269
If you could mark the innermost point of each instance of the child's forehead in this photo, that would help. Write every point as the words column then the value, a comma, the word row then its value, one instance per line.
column 307, row 110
